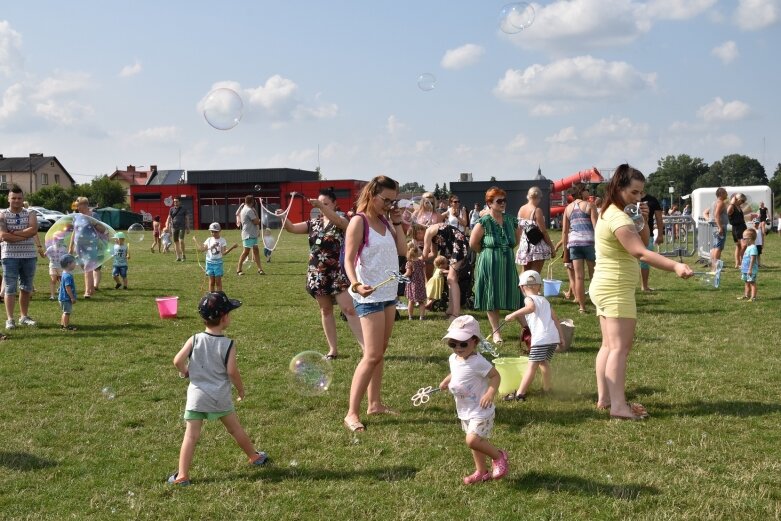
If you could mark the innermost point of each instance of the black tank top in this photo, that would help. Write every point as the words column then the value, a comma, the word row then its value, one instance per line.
column 737, row 218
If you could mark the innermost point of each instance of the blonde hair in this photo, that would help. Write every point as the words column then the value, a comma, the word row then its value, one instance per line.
column 534, row 193
column 372, row 188
column 413, row 253
column 82, row 200
column 751, row 232
column 440, row 261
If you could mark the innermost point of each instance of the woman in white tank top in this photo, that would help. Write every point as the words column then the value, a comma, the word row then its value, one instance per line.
column 368, row 263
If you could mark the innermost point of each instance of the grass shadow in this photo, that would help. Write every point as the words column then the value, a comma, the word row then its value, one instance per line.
column 739, row 409
column 276, row 474
column 537, row 481
column 24, row 461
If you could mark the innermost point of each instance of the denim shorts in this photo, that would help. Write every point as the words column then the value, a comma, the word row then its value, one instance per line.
column 119, row 271
column 67, row 306
column 15, row 269
column 249, row 243
column 214, row 269
column 371, row 307
column 582, row 253
column 649, row 246
column 718, row 241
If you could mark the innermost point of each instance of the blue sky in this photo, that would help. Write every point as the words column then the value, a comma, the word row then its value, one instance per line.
column 589, row 83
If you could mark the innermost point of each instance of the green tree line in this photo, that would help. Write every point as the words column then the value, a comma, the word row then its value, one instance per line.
column 101, row 192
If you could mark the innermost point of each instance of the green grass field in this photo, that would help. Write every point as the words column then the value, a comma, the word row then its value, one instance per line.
column 705, row 366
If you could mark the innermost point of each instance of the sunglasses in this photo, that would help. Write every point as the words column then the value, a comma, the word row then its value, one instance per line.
column 744, row 238
column 387, row 201
column 500, row 201
column 456, row 201
column 454, row 345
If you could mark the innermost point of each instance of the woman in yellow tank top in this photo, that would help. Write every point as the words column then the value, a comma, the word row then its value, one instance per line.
column 618, row 247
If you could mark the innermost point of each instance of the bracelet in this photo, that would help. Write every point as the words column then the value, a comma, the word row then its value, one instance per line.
column 354, row 286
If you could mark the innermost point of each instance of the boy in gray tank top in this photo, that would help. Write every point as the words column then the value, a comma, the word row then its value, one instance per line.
column 208, row 359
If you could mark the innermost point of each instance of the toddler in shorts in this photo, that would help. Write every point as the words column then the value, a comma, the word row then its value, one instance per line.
column 545, row 329
column 67, row 295
column 473, row 382
column 55, row 253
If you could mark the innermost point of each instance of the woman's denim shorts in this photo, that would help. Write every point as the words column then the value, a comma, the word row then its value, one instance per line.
column 368, row 308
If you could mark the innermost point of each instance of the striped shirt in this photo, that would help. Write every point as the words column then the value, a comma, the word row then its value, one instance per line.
column 14, row 222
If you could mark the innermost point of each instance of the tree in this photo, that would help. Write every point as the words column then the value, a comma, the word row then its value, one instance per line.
column 437, row 192
column 412, row 188
column 735, row 170
column 52, row 197
column 683, row 171
column 445, row 192
column 105, row 192
column 775, row 184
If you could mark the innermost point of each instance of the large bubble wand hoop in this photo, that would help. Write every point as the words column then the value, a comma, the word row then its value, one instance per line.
column 282, row 214
column 711, row 278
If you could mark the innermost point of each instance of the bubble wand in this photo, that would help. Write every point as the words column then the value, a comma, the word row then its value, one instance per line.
column 423, row 395
column 394, row 275
column 711, row 277
column 486, row 347
column 282, row 214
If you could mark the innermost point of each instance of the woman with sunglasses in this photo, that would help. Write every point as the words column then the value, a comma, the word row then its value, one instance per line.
column 370, row 257
column 425, row 214
column 456, row 214
column 493, row 238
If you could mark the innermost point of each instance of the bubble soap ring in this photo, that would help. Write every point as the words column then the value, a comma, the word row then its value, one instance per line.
column 423, row 395
column 393, row 275
column 711, row 277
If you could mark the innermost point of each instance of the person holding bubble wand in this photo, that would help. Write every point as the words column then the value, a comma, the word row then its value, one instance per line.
column 369, row 256
column 216, row 248
column 618, row 247
column 326, row 282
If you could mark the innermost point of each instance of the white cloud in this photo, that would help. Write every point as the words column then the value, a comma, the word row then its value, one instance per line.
column 461, row 57
column 582, row 77
column 718, row 110
column 730, row 141
column 571, row 26
column 13, row 100
column 130, row 70
column 677, row 9
column 276, row 92
column 11, row 58
column 726, row 52
column 752, row 15
column 169, row 134
column 615, row 127
column 548, row 109
column 324, row 111
column 564, row 135
column 61, row 83
column 517, row 143
column 64, row 113
column 394, row 126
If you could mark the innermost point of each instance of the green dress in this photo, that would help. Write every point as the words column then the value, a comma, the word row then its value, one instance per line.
column 496, row 277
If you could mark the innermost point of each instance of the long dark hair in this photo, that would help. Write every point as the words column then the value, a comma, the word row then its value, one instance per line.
column 622, row 177
column 329, row 193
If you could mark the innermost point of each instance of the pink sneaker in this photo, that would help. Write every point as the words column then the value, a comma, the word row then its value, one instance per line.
column 476, row 477
column 500, row 466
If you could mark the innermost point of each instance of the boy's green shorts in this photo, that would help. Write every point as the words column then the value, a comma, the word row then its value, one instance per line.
column 195, row 415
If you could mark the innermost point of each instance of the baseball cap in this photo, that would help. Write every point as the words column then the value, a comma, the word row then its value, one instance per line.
column 755, row 221
column 463, row 328
column 119, row 235
column 215, row 227
column 216, row 304
column 529, row 278
column 66, row 260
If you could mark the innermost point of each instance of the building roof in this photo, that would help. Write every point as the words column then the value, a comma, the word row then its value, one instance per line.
column 26, row 164
column 133, row 177
column 250, row 175
column 165, row 177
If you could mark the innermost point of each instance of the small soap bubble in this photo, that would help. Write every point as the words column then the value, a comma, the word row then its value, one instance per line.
column 108, row 393
column 258, row 188
column 427, row 81
column 310, row 373
column 669, row 442
column 223, row 108
column 293, row 463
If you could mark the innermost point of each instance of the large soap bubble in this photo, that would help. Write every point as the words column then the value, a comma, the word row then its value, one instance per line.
column 427, row 81
column 311, row 373
column 84, row 237
column 515, row 17
column 136, row 232
column 223, row 108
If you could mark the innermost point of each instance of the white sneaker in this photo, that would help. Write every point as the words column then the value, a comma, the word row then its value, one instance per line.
column 26, row 321
column 9, row 324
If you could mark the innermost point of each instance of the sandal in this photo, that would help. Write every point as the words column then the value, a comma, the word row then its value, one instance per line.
column 261, row 272
column 355, row 426
column 239, row 273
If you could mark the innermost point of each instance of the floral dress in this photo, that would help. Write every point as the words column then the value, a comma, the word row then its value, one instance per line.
column 324, row 275
column 450, row 242
column 528, row 252
column 415, row 289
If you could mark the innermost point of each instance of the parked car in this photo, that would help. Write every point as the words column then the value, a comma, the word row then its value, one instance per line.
column 43, row 223
column 50, row 215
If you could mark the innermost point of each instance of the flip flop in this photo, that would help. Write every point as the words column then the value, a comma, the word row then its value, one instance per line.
column 355, row 426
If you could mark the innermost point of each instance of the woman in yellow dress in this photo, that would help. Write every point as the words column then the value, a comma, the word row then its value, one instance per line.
column 619, row 246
